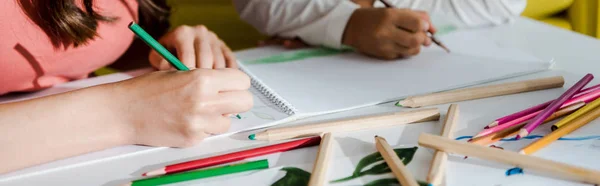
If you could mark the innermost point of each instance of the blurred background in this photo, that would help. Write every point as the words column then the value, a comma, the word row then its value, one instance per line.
column 220, row 16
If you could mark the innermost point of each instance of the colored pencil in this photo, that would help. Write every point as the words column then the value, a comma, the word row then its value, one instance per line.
column 586, row 98
column 482, row 92
column 578, row 122
column 525, row 112
column 404, row 176
column 522, row 119
column 150, row 41
column 235, row 156
column 433, row 39
column 532, row 163
column 527, row 129
column 354, row 124
column 438, row 163
column 319, row 172
column 205, row 173
column 575, row 115
column 514, row 130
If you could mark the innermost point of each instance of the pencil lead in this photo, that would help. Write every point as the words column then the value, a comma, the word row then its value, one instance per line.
column 252, row 137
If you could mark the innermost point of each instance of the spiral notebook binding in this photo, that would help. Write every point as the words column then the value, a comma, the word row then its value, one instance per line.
column 277, row 100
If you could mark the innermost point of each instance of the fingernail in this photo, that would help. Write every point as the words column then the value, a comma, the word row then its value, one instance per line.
column 425, row 25
column 427, row 41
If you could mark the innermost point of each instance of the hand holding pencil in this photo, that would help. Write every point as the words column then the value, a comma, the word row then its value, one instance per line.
column 176, row 109
column 388, row 33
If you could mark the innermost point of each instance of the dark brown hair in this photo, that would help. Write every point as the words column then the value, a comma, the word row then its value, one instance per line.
column 67, row 24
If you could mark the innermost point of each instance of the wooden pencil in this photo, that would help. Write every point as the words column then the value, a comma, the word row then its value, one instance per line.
column 482, row 92
column 540, row 118
column 562, row 131
column 532, row 163
column 579, row 96
column 361, row 123
column 525, row 119
column 577, row 114
column 404, row 176
column 438, row 163
column 319, row 172
column 514, row 130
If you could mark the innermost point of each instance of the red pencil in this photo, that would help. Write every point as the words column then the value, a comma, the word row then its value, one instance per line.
column 235, row 156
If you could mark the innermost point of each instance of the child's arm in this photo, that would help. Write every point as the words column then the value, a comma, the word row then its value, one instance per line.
column 325, row 22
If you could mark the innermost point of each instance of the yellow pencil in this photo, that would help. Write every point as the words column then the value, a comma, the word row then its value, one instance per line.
column 562, row 131
column 398, row 168
column 577, row 114
column 319, row 172
column 514, row 130
column 438, row 163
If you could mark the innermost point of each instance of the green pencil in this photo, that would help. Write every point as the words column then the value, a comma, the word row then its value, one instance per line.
column 148, row 39
column 205, row 173
column 142, row 34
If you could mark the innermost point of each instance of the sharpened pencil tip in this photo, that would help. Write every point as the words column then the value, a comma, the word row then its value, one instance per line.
column 518, row 137
column 430, row 184
column 238, row 116
column 398, row 104
column 252, row 137
column 145, row 174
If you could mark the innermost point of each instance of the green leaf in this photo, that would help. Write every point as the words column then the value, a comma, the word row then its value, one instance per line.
column 293, row 177
column 390, row 182
column 405, row 154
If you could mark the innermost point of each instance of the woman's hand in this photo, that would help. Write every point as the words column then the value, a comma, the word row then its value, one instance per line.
column 388, row 33
column 180, row 108
column 196, row 47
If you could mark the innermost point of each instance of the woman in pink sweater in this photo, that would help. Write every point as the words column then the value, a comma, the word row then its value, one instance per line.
column 48, row 42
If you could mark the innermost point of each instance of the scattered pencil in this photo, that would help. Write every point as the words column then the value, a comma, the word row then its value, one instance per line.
column 581, row 117
column 514, row 130
column 319, row 173
column 505, row 119
column 205, row 173
column 404, row 176
column 235, row 156
column 531, row 163
column 577, row 114
column 527, row 118
column 438, row 163
column 368, row 122
column 527, row 129
column 482, row 92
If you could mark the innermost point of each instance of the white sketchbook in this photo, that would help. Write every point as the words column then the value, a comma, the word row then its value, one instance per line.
column 288, row 91
column 320, row 85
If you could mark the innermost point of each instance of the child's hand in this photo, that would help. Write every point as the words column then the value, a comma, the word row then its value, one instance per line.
column 388, row 33
column 180, row 108
column 196, row 47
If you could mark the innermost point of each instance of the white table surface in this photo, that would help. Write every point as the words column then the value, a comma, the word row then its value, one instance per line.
column 573, row 53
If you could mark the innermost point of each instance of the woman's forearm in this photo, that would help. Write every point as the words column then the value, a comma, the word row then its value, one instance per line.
column 55, row 127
